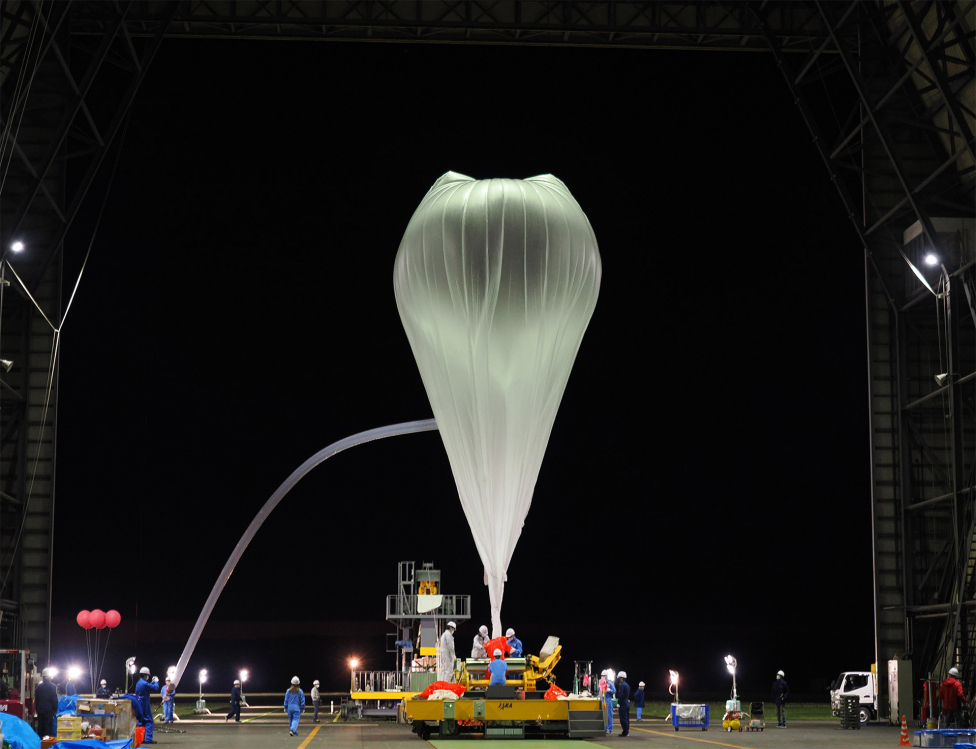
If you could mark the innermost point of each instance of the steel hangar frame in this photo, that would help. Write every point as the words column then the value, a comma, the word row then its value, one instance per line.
column 895, row 132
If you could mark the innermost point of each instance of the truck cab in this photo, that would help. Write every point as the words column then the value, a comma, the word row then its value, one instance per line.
column 862, row 683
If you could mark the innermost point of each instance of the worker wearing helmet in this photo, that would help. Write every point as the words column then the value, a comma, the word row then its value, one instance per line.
column 623, row 703
column 514, row 642
column 316, row 700
column 46, row 704
column 478, row 646
column 607, row 691
column 445, row 654
column 952, row 698
column 144, row 686
column 497, row 669
column 168, row 693
column 639, row 699
column 103, row 692
column 294, row 705
column 781, row 691
column 236, row 698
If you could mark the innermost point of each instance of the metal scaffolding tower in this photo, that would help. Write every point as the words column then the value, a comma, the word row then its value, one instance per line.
column 887, row 91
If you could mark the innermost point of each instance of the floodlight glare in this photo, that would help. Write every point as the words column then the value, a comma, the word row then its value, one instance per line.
column 730, row 664
column 17, row 246
column 203, row 676
column 674, row 678
column 53, row 670
column 73, row 673
column 931, row 259
column 353, row 662
column 243, row 675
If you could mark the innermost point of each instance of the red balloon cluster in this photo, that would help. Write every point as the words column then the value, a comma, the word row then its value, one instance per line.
column 98, row 619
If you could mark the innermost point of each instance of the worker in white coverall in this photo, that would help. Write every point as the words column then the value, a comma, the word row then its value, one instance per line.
column 445, row 656
column 478, row 646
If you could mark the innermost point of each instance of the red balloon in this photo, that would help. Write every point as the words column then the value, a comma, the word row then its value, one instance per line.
column 112, row 619
column 84, row 619
column 97, row 619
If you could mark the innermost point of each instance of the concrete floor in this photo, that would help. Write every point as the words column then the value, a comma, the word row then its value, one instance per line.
column 656, row 735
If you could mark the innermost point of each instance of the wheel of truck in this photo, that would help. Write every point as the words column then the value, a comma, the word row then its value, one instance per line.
column 864, row 715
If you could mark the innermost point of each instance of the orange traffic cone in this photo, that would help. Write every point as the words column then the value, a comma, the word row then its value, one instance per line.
column 904, row 733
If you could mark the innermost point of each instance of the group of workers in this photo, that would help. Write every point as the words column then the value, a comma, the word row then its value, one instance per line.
column 509, row 645
column 616, row 686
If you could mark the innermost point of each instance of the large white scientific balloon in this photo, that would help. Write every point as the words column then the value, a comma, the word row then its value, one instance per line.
column 496, row 281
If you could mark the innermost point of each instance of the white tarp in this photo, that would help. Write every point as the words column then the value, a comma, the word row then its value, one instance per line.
column 690, row 712
column 495, row 282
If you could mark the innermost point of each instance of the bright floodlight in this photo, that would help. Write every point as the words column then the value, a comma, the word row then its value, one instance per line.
column 17, row 246
column 243, row 675
column 53, row 670
column 73, row 673
column 353, row 662
column 674, row 678
column 171, row 673
column 730, row 664
column 931, row 259
column 203, row 676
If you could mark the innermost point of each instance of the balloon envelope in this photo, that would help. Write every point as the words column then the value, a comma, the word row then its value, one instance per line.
column 112, row 619
column 495, row 283
column 97, row 619
column 84, row 619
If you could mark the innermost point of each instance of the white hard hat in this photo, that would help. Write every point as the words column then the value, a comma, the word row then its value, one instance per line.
column 640, row 683
column 47, row 673
column 622, row 674
column 509, row 632
column 452, row 624
column 780, row 673
column 498, row 651
column 295, row 680
column 483, row 629
column 603, row 672
column 237, row 682
column 144, row 670
column 953, row 672
column 315, row 683
column 104, row 683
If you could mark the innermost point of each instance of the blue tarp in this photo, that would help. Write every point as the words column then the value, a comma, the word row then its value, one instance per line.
column 94, row 744
column 67, row 705
column 18, row 733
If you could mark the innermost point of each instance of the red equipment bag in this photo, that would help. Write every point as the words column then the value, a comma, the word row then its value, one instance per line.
column 458, row 689
column 554, row 692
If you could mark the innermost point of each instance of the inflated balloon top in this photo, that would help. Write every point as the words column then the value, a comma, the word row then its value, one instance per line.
column 496, row 281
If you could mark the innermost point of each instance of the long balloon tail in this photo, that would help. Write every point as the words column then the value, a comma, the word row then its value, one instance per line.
column 409, row 427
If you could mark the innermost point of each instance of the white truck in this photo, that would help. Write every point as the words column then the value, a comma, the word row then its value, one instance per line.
column 862, row 683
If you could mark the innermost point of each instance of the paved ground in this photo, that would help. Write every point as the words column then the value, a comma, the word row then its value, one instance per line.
column 657, row 735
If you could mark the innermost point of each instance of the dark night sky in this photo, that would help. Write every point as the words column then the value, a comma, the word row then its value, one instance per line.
column 706, row 486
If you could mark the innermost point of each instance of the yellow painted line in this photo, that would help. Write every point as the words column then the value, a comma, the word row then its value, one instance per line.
column 677, row 735
column 255, row 717
column 310, row 737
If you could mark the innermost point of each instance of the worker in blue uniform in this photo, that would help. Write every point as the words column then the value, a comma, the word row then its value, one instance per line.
column 498, row 669
column 144, row 686
column 515, row 643
column 294, row 705
column 103, row 692
column 639, row 700
column 608, row 694
column 235, row 702
column 623, row 704
column 46, row 705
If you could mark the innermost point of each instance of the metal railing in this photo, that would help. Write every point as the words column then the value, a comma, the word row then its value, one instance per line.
column 379, row 681
column 404, row 607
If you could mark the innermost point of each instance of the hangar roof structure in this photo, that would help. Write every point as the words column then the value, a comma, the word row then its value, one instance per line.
column 895, row 136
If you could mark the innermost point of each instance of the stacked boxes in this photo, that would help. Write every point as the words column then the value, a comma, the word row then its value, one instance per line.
column 69, row 728
column 850, row 711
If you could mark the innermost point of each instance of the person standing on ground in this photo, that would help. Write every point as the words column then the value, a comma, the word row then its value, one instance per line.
column 316, row 701
column 639, row 699
column 144, row 686
column 169, row 700
column 46, row 702
column 235, row 702
column 445, row 654
column 609, row 690
column 294, row 705
column 781, row 691
column 952, row 698
column 478, row 646
column 623, row 704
